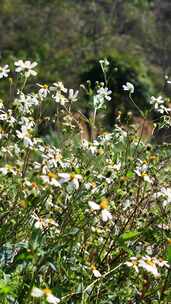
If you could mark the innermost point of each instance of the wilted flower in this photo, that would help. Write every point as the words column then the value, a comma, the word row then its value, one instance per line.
column 128, row 87
column 41, row 223
column 4, row 71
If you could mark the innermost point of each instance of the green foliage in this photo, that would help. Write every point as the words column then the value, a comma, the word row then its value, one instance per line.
column 122, row 69
column 81, row 221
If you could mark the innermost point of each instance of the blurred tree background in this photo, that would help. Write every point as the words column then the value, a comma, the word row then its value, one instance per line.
column 68, row 37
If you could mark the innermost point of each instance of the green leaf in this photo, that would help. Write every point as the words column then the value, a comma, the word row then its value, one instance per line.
column 129, row 235
column 169, row 254
column 130, row 174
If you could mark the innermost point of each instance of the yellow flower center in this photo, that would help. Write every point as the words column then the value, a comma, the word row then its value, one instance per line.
column 93, row 267
column 47, row 291
column 150, row 262
column 72, row 176
column 93, row 184
column 152, row 157
column 144, row 174
column 169, row 241
column 45, row 86
column 52, row 175
column 104, row 203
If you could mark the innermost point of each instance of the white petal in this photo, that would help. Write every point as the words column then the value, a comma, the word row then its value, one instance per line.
column 37, row 292
column 65, row 176
column 52, row 299
column 96, row 273
column 106, row 215
column 93, row 205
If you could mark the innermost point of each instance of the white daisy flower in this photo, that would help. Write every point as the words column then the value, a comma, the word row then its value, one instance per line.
column 27, row 67
column 4, row 71
column 44, row 90
column 149, row 264
column 71, row 178
column 58, row 86
column 142, row 172
column 51, row 179
column 50, row 298
column 105, row 214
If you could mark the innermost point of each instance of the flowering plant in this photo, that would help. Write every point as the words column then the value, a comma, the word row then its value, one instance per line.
column 81, row 221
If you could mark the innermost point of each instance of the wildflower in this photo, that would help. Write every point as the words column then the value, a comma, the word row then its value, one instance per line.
column 44, row 90
column 41, row 223
column 162, row 263
column 73, row 95
column 156, row 101
column 105, row 214
column 133, row 263
column 59, row 98
column 104, row 93
column 96, row 273
column 27, row 67
column 51, row 179
column 4, row 71
column 117, row 166
column 158, row 104
column 104, row 62
column 50, row 297
column 38, row 293
column 8, row 169
column 71, row 178
column 149, row 264
column 58, row 87
column 142, row 172
column 166, row 193
column 25, row 135
column 128, row 87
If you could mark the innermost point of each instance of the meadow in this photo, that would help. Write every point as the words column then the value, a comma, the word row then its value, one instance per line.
column 81, row 221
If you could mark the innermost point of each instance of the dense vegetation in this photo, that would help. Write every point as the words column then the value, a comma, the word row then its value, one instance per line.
column 85, row 204
column 81, row 222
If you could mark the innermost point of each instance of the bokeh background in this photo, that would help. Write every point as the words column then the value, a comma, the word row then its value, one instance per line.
column 68, row 37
